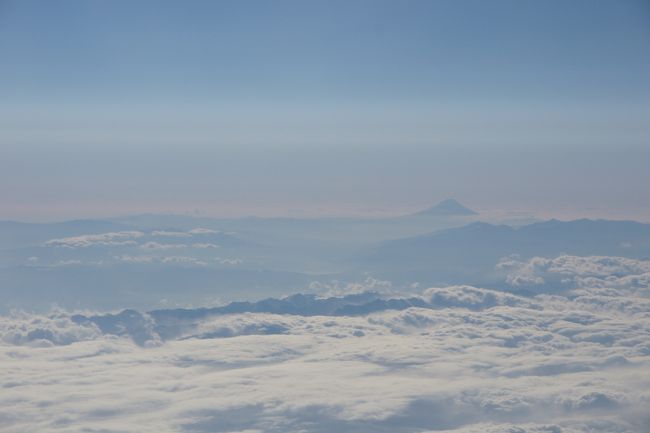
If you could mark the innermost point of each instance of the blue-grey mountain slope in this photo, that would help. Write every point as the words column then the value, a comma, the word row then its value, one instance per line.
column 470, row 253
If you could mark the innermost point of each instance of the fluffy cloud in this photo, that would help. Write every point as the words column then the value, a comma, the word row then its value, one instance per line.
column 21, row 328
column 459, row 359
column 574, row 271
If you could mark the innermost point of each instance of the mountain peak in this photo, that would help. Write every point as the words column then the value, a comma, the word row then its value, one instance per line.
column 447, row 207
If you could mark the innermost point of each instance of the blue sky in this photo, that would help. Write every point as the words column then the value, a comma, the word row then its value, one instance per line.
column 305, row 52
column 339, row 106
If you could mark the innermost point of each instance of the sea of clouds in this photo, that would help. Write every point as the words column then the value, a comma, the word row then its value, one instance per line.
column 457, row 359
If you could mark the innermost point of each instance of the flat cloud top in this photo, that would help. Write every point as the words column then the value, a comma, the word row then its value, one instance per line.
column 465, row 359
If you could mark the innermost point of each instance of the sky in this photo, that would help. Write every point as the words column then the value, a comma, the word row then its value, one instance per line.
column 323, row 108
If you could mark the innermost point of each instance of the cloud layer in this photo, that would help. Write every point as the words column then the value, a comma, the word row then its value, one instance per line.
column 459, row 359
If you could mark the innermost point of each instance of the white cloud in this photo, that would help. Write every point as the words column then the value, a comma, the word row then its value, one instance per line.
column 199, row 231
column 183, row 260
column 71, row 262
column 575, row 271
column 148, row 259
column 470, row 360
column 169, row 233
column 104, row 239
column 203, row 231
column 135, row 259
column 229, row 261
column 204, row 245
column 341, row 288
column 473, row 298
column 159, row 246
column 21, row 328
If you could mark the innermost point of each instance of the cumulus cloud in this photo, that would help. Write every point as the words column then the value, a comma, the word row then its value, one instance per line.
column 20, row 328
column 103, row 239
column 575, row 271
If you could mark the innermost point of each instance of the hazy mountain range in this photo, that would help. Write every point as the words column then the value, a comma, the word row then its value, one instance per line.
column 436, row 320
column 142, row 261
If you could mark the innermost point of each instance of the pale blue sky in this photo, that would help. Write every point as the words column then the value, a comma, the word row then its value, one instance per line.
column 291, row 107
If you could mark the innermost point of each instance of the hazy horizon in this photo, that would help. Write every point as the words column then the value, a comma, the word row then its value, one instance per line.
column 335, row 211
column 335, row 108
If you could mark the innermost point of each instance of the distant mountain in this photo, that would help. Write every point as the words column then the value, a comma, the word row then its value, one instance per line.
column 449, row 207
column 183, row 323
column 107, row 287
column 580, row 237
column 468, row 254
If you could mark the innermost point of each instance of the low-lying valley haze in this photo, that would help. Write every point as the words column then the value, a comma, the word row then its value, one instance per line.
column 325, row 216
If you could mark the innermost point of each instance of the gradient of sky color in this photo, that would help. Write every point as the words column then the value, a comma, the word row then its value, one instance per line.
column 333, row 107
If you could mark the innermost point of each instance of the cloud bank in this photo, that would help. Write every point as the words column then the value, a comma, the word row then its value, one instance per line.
column 458, row 359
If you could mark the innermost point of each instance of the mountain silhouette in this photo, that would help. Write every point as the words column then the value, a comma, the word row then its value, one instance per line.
column 447, row 207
